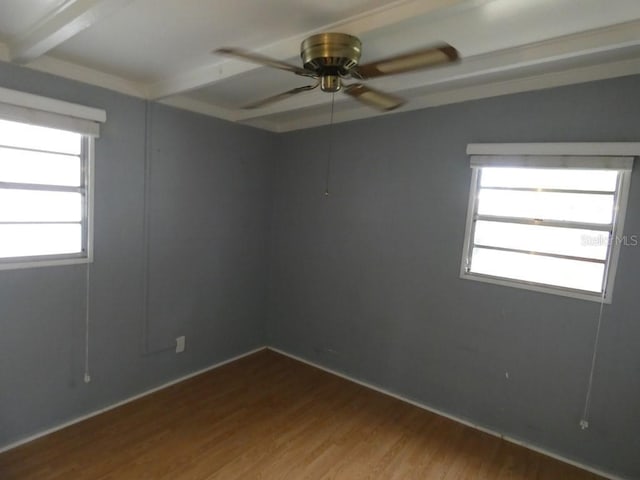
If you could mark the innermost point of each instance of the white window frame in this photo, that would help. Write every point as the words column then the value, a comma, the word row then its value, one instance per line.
column 47, row 112
column 572, row 154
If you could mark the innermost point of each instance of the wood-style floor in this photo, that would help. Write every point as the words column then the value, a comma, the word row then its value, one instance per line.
column 270, row 417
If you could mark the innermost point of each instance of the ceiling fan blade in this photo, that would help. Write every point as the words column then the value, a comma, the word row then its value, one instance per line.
column 374, row 98
column 280, row 96
column 409, row 62
column 263, row 60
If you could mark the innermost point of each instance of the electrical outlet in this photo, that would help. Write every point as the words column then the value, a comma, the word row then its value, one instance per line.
column 180, row 341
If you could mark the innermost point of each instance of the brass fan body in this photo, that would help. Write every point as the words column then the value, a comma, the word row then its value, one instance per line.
column 330, row 56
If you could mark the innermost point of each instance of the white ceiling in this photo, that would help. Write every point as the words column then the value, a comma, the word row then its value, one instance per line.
column 161, row 49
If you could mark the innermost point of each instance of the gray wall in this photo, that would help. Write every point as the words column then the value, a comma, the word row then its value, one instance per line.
column 366, row 282
column 210, row 197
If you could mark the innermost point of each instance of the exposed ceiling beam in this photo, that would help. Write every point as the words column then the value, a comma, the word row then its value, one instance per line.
column 69, row 19
column 502, row 62
column 358, row 25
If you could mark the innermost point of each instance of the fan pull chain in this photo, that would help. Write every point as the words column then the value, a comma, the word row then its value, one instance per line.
column 329, row 150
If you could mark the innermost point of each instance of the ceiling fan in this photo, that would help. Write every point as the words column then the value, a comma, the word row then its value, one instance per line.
column 329, row 58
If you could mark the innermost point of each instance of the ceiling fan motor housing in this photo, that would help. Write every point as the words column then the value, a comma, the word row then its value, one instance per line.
column 330, row 55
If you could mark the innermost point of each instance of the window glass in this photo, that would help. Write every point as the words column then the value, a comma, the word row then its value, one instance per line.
column 540, row 269
column 26, row 166
column 575, row 207
column 44, row 198
column 550, row 179
column 22, row 135
column 21, row 240
column 555, row 228
column 573, row 242
column 39, row 206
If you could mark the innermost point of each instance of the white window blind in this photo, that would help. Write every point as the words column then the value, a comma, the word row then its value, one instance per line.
column 47, row 112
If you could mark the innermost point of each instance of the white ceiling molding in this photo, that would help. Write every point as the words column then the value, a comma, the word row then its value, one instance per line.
column 197, row 106
column 193, row 105
column 73, row 71
column 380, row 17
column 68, row 20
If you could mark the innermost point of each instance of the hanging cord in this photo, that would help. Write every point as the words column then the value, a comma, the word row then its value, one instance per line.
column 87, row 375
column 584, row 421
column 330, row 149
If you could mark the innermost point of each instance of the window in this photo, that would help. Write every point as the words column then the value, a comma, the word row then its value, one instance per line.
column 550, row 223
column 45, row 184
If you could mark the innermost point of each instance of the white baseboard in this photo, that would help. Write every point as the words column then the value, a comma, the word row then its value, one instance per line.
column 127, row 400
column 423, row 406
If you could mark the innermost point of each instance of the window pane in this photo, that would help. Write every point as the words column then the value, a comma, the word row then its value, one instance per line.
column 25, row 166
column 37, row 206
column 564, row 179
column 562, row 241
column 14, row 134
column 577, row 207
column 27, row 240
column 539, row 269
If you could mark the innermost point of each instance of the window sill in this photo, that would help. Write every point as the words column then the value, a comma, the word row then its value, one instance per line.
column 536, row 287
column 44, row 263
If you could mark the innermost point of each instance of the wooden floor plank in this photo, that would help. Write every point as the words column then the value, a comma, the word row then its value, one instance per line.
column 269, row 417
